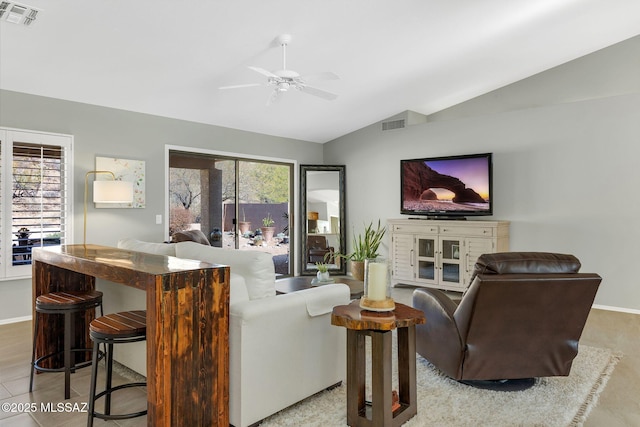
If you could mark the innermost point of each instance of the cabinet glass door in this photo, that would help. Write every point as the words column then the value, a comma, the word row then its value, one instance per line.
column 450, row 252
column 426, row 259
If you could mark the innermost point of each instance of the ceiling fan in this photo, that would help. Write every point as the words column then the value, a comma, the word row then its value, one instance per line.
column 283, row 80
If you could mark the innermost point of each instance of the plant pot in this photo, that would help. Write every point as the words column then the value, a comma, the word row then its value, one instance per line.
column 244, row 227
column 267, row 233
column 357, row 269
column 323, row 276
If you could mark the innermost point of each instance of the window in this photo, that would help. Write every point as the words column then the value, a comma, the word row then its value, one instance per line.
column 35, row 202
column 238, row 203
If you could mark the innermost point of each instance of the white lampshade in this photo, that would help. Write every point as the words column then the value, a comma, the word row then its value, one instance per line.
column 112, row 192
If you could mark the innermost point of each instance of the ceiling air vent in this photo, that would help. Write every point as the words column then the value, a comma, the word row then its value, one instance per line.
column 393, row 124
column 17, row 13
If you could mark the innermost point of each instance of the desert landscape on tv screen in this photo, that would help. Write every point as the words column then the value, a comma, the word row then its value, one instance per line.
column 450, row 185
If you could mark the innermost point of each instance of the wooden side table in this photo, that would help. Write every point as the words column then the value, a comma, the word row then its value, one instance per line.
column 378, row 325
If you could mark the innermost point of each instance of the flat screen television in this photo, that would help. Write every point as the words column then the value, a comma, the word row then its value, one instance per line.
column 454, row 186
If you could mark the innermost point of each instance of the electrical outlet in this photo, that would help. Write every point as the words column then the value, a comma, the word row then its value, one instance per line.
column 158, row 219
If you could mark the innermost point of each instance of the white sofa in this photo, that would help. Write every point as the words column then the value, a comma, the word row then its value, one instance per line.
column 282, row 348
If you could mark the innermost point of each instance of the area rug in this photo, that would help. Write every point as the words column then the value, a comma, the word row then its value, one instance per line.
column 551, row 402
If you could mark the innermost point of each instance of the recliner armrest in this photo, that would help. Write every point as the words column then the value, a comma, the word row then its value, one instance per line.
column 438, row 340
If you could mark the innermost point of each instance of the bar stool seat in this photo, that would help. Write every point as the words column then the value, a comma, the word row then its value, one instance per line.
column 116, row 328
column 67, row 303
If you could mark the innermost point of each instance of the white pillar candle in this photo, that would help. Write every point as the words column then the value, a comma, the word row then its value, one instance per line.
column 377, row 281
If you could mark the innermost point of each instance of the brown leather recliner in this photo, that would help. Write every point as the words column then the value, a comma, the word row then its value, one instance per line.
column 318, row 250
column 521, row 317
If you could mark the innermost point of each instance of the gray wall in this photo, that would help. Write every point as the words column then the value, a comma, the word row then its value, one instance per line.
column 100, row 131
column 566, row 169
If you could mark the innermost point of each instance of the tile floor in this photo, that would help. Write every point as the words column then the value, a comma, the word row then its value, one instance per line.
column 618, row 406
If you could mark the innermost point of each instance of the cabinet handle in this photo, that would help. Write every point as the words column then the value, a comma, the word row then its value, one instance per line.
column 411, row 257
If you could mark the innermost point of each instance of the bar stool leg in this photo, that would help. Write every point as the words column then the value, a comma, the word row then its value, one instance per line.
column 33, row 352
column 94, row 379
column 67, row 354
column 107, row 398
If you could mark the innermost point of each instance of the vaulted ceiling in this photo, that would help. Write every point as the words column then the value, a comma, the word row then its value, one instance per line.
column 169, row 58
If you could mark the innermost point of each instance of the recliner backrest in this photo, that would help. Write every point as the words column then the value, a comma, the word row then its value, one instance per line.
column 533, row 304
column 525, row 263
column 314, row 242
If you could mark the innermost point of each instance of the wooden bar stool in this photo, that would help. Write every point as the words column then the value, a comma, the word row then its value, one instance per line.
column 116, row 328
column 67, row 303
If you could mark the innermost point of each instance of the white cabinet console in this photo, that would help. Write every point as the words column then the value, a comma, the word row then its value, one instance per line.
column 441, row 253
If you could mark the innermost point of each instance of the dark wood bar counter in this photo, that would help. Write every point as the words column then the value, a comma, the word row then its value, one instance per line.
column 187, row 324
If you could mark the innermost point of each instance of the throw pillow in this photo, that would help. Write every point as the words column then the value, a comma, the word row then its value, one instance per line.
column 190, row 236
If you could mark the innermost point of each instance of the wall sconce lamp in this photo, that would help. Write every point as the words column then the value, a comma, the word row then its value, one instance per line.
column 106, row 192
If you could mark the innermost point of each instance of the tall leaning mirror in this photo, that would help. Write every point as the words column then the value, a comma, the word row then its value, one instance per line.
column 322, row 206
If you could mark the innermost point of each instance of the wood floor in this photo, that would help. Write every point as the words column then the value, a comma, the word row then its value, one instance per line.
column 618, row 406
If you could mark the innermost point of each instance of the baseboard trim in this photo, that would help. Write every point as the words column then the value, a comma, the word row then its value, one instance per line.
column 14, row 320
column 619, row 309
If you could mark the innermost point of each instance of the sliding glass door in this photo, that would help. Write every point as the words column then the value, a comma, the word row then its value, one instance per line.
column 237, row 203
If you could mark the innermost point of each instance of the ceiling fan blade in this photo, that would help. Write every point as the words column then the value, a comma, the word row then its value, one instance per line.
column 275, row 97
column 239, row 86
column 327, row 75
column 318, row 92
column 263, row 72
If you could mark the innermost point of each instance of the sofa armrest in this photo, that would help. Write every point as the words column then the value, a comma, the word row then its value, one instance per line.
column 316, row 301
column 438, row 340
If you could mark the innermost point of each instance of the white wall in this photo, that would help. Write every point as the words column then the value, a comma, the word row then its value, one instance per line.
column 566, row 172
column 100, row 131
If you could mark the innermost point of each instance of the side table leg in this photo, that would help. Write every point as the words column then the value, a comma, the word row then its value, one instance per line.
column 407, row 371
column 381, row 400
column 356, row 370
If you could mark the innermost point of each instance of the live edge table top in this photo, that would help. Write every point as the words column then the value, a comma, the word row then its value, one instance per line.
column 118, row 265
column 351, row 316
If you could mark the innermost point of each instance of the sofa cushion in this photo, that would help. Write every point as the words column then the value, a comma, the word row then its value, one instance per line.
column 148, row 247
column 256, row 267
column 237, row 289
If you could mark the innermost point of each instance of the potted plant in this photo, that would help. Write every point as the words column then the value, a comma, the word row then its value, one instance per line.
column 364, row 246
column 267, row 228
column 323, row 272
column 244, row 226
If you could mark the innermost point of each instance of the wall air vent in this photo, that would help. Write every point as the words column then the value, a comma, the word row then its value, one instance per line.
column 17, row 13
column 393, row 124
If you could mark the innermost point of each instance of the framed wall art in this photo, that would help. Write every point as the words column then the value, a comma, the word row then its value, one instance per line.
column 124, row 170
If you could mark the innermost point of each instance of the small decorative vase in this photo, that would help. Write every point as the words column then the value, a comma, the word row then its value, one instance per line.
column 323, row 276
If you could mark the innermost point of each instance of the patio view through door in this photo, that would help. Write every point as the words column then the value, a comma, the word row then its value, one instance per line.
column 232, row 200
